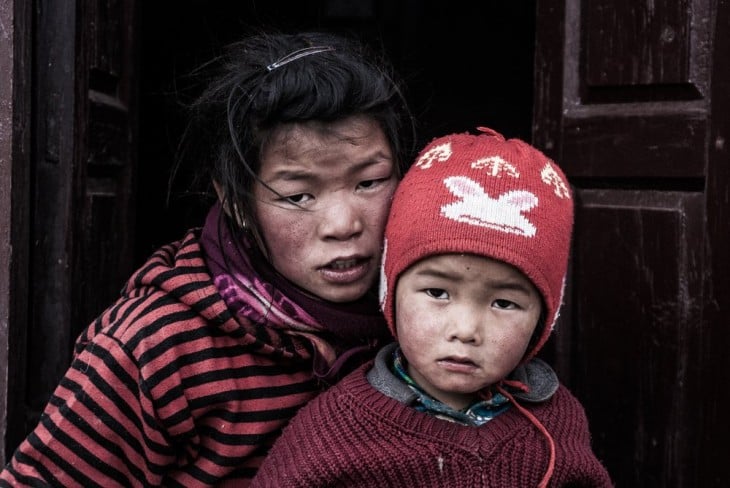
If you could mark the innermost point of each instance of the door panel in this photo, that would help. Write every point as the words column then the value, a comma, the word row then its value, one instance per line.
column 661, row 146
column 623, row 102
column 635, row 318
column 653, row 35
column 105, row 225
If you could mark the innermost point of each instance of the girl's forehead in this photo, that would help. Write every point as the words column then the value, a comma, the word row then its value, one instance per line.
column 295, row 135
column 352, row 142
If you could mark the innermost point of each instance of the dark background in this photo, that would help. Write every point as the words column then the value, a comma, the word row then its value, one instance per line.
column 464, row 66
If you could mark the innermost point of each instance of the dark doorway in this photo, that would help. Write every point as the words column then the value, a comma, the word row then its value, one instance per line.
column 465, row 66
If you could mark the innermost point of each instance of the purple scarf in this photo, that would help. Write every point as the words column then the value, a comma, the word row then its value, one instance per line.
column 343, row 335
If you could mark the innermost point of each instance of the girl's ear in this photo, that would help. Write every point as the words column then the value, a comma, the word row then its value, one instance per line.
column 239, row 218
column 236, row 214
column 221, row 197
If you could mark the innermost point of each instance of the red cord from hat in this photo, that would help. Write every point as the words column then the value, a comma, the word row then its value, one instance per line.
column 541, row 428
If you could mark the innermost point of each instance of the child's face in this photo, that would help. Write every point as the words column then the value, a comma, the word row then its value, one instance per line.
column 324, row 230
column 463, row 323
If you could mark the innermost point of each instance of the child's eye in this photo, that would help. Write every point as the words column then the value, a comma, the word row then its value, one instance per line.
column 438, row 293
column 504, row 304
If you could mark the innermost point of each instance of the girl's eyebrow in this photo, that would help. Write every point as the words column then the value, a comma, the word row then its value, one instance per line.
column 291, row 175
column 287, row 174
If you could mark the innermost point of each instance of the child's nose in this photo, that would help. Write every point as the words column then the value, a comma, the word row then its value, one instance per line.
column 467, row 328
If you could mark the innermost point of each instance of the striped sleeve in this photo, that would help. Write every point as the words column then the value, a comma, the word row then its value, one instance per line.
column 188, row 410
column 99, row 428
column 166, row 389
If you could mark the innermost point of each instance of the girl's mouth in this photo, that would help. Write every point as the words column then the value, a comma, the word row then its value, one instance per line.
column 342, row 264
column 345, row 271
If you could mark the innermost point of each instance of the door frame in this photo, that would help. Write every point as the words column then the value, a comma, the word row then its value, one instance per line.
column 15, row 163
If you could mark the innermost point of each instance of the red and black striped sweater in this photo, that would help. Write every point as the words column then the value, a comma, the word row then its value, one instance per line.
column 167, row 388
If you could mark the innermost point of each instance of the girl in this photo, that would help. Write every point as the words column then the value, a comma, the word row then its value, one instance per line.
column 222, row 336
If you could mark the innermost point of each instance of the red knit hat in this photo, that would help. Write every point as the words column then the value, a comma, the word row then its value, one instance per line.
column 482, row 194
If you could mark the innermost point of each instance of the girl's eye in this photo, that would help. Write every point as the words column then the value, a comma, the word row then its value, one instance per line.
column 437, row 293
column 504, row 304
column 298, row 199
column 367, row 184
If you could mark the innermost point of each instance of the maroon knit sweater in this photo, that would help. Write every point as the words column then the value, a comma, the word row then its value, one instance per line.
column 355, row 436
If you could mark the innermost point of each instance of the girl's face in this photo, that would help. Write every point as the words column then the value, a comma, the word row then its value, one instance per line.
column 323, row 228
column 463, row 323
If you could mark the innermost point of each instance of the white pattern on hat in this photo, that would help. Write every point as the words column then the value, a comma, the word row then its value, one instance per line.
column 442, row 152
column 496, row 166
column 551, row 177
column 476, row 207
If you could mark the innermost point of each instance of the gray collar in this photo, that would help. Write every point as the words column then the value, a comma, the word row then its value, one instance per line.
column 536, row 374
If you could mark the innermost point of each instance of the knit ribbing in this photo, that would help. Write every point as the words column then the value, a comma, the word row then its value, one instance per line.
column 355, row 436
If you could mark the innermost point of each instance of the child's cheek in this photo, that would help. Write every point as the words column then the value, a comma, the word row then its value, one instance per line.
column 415, row 324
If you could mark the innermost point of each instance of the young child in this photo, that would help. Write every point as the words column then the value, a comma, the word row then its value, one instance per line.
column 475, row 259
column 222, row 336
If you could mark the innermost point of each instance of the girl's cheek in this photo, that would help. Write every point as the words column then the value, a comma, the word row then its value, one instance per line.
column 379, row 216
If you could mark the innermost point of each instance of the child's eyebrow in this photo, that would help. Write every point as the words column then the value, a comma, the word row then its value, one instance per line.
column 513, row 285
column 437, row 273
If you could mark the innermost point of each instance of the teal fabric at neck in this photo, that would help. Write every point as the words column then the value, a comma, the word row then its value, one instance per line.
column 478, row 413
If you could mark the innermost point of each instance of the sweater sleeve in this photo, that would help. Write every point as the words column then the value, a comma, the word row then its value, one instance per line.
column 100, row 427
column 576, row 463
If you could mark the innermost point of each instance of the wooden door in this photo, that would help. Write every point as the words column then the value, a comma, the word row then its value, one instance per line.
column 82, row 166
column 632, row 100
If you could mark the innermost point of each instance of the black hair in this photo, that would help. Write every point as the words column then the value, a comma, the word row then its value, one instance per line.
column 270, row 79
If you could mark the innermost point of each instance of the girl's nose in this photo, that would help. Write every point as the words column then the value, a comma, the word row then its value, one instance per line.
column 341, row 220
